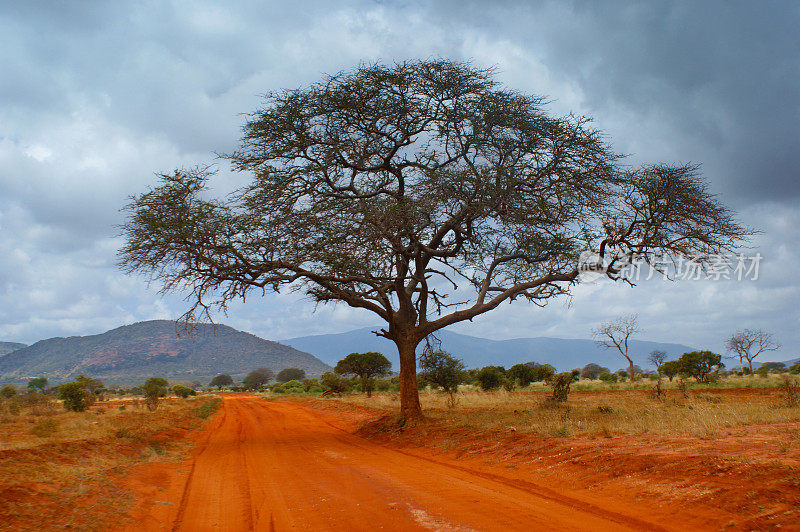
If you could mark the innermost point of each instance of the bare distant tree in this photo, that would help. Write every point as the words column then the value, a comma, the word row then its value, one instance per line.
column 616, row 334
column 656, row 358
column 424, row 192
column 747, row 344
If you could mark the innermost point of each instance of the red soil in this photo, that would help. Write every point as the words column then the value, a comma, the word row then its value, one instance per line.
column 279, row 465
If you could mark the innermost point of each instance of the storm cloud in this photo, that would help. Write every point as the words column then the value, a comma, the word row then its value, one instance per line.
column 97, row 97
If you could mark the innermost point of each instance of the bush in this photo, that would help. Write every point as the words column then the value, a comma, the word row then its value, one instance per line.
column 8, row 391
column 490, row 377
column 541, row 372
column 608, row 377
column 443, row 370
column 561, row 383
column 182, row 391
column 74, row 396
column 334, row 383
column 154, row 388
column 523, row 374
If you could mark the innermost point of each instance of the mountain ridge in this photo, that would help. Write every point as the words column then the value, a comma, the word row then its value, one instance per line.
column 562, row 353
column 132, row 352
column 8, row 347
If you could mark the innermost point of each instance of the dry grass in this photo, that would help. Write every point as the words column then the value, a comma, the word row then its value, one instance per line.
column 702, row 414
column 60, row 469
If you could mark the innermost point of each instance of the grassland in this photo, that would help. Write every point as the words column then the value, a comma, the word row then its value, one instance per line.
column 61, row 469
column 597, row 408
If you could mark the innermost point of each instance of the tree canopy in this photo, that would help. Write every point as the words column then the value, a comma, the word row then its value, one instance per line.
column 258, row 378
column 747, row 344
column 365, row 366
column 221, row 380
column 700, row 364
column 291, row 374
column 424, row 192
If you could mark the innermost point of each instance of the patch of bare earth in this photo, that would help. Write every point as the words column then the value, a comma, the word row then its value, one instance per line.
column 734, row 476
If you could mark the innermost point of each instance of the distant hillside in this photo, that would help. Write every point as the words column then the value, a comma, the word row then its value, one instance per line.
column 7, row 347
column 134, row 352
column 477, row 352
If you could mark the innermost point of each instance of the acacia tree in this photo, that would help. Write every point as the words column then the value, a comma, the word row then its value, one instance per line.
column 444, row 370
column 258, row 378
column 656, row 358
column 747, row 344
column 365, row 366
column 615, row 334
column 423, row 192
column 221, row 380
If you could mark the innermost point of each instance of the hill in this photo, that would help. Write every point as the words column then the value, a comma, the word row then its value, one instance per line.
column 476, row 352
column 132, row 353
column 7, row 347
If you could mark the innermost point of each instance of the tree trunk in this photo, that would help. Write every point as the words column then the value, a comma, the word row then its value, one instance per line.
column 409, row 393
column 630, row 367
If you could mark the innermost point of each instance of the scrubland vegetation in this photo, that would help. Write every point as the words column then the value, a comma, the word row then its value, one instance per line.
column 61, row 467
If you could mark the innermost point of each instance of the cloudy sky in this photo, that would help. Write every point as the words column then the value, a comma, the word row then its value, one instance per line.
column 97, row 96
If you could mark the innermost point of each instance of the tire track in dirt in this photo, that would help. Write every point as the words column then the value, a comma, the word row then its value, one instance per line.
column 277, row 466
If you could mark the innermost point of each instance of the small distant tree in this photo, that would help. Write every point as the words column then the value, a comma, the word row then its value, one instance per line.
column 182, row 391
column 39, row 383
column 794, row 368
column 522, row 374
column 616, row 334
column 775, row 367
column 221, row 380
column 561, row 383
column 656, row 358
column 490, row 377
column 91, row 384
column 700, row 364
column 154, row 389
column 541, row 372
column 291, row 374
column 257, row 378
column 365, row 366
column 8, row 391
column 670, row 369
column 443, row 370
column 747, row 344
column 592, row 371
column 74, row 396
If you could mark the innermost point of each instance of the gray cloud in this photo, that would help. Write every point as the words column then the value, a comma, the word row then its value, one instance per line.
column 96, row 97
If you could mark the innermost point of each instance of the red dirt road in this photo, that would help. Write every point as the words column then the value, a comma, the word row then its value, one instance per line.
column 262, row 465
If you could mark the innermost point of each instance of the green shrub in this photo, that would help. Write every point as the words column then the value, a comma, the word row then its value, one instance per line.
column 8, row 391
column 74, row 396
column 608, row 377
column 561, row 383
column 490, row 377
column 333, row 382
column 182, row 391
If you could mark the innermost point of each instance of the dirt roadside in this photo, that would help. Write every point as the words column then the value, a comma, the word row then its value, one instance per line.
column 280, row 465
